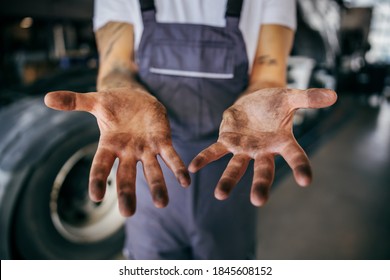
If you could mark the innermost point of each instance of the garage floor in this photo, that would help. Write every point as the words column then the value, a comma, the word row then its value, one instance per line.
column 345, row 214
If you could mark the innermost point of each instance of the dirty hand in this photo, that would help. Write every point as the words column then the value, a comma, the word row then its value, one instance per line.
column 133, row 127
column 259, row 126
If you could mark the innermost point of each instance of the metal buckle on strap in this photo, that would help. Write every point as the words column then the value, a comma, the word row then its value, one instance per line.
column 233, row 7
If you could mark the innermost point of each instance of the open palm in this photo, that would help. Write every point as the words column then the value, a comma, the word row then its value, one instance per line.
column 133, row 127
column 259, row 126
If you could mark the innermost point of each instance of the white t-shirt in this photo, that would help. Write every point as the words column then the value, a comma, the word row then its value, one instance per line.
column 208, row 12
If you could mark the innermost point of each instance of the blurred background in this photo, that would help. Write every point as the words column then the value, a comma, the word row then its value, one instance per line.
column 45, row 155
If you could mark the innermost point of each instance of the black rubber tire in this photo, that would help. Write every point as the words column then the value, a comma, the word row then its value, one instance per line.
column 34, row 235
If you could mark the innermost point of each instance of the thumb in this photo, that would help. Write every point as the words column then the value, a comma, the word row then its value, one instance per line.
column 313, row 98
column 69, row 101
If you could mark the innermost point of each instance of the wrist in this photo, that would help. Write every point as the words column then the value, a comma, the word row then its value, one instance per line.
column 257, row 85
column 118, row 78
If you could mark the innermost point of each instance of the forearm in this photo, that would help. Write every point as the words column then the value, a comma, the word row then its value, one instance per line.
column 269, row 68
column 117, row 68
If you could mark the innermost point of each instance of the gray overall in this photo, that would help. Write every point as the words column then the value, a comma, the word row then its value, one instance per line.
column 196, row 71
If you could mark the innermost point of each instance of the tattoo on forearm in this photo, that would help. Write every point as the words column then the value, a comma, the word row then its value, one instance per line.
column 117, row 68
column 114, row 35
column 266, row 60
column 108, row 50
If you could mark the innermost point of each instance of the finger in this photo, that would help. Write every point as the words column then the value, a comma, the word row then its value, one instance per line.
column 210, row 154
column 231, row 176
column 155, row 179
column 69, row 101
column 312, row 98
column 125, row 178
column 100, row 169
column 264, row 172
column 174, row 162
column 297, row 159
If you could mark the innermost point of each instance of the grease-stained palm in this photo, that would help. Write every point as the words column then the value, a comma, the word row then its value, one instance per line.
column 133, row 127
column 259, row 126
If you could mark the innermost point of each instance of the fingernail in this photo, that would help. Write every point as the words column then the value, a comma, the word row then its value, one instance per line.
column 325, row 97
column 225, row 187
column 158, row 194
column 127, row 205
column 63, row 100
column 184, row 179
column 160, row 197
column 260, row 196
column 192, row 168
column 223, row 190
column 303, row 175
column 97, row 190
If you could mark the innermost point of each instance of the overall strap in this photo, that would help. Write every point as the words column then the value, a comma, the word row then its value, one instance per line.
column 147, row 5
column 233, row 8
column 148, row 11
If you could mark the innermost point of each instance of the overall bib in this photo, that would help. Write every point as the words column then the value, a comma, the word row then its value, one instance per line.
column 196, row 72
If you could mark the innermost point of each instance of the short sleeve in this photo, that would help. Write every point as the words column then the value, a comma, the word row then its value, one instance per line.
column 115, row 10
column 281, row 12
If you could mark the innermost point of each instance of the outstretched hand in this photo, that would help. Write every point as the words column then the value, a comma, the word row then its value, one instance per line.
column 259, row 126
column 133, row 127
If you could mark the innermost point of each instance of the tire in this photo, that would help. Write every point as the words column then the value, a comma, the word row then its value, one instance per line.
column 51, row 217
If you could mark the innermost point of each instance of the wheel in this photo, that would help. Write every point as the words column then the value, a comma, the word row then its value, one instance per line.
column 53, row 217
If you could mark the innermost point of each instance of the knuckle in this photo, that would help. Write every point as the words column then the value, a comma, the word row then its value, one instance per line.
column 180, row 171
column 98, row 171
column 260, row 186
column 200, row 159
column 266, row 175
column 125, row 187
column 240, row 160
column 140, row 148
column 232, row 173
column 157, row 184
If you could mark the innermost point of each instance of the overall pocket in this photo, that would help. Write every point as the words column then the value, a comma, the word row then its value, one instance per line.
column 192, row 80
column 208, row 60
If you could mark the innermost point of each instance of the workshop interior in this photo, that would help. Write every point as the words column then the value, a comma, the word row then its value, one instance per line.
column 45, row 155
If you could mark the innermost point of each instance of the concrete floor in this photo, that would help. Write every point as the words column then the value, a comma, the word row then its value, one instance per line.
column 345, row 213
